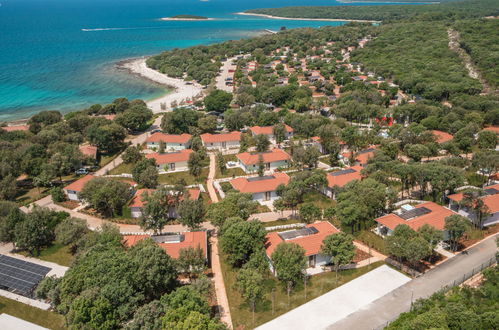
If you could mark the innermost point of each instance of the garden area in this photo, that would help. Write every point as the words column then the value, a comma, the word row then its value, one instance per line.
column 229, row 172
column 183, row 177
column 31, row 314
column 56, row 253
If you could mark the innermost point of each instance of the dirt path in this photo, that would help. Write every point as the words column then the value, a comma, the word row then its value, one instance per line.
column 473, row 71
column 211, row 177
column 218, row 280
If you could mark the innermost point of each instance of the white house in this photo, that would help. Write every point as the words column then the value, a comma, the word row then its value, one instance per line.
column 310, row 238
column 262, row 189
column 222, row 141
column 272, row 160
column 490, row 199
column 138, row 202
column 72, row 190
column 269, row 131
column 172, row 142
column 171, row 161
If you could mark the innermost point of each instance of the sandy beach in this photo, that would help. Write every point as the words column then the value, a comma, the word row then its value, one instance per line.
column 308, row 19
column 180, row 93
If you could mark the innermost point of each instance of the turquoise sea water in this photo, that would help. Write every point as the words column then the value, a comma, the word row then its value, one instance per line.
column 61, row 54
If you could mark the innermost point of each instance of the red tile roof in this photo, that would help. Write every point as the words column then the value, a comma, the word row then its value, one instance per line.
column 88, row 150
column 269, row 183
column 170, row 157
column 169, row 138
column 138, row 202
column 275, row 155
column 222, row 137
column 343, row 179
column 436, row 218
column 311, row 243
column 15, row 128
column 267, row 130
column 80, row 183
column 442, row 137
column 492, row 201
column 494, row 129
column 192, row 239
column 363, row 156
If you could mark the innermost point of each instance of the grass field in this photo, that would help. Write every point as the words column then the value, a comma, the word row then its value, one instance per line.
column 371, row 239
column 317, row 285
column 174, row 178
column 318, row 200
column 57, row 253
column 230, row 172
column 43, row 318
column 122, row 168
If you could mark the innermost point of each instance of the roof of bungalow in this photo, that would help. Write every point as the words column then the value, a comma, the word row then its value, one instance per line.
column 80, row 183
column 137, row 200
column 494, row 129
column 169, row 138
column 222, row 137
column 441, row 137
column 342, row 177
column 426, row 213
column 309, row 237
column 362, row 156
column 491, row 198
column 173, row 243
column 274, row 155
column 259, row 184
column 267, row 130
column 170, row 157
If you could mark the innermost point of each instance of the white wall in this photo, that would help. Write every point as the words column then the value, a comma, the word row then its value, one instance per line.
column 136, row 212
column 72, row 195
column 254, row 168
column 179, row 166
column 260, row 197
column 218, row 145
column 168, row 146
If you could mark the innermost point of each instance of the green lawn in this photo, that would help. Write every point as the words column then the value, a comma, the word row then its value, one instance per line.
column 174, row 178
column 122, row 168
column 27, row 196
column 106, row 159
column 57, row 253
column 316, row 286
column 43, row 318
column 318, row 200
column 230, row 172
column 281, row 222
column 371, row 239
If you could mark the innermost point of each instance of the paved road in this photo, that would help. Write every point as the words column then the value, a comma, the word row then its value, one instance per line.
column 386, row 309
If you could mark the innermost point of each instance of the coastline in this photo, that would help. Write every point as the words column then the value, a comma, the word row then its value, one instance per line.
column 179, row 93
column 308, row 19
column 186, row 19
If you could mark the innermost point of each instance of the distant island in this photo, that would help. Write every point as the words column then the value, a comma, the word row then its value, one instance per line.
column 185, row 18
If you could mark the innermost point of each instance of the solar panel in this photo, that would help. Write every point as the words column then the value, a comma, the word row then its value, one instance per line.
column 261, row 178
column 343, row 172
column 168, row 238
column 491, row 191
column 417, row 212
column 287, row 235
column 366, row 151
column 20, row 276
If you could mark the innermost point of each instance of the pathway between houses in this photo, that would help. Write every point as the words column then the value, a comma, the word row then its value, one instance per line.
column 218, row 280
column 211, row 177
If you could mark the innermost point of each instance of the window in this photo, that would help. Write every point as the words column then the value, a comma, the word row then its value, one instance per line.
column 268, row 194
column 172, row 166
column 267, row 166
column 224, row 144
column 311, row 261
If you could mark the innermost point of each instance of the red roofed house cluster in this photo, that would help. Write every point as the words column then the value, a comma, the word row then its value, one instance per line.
column 173, row 243
column 425, row 213
column 490, row 199
column 222, row 141
column 175, row 161
column 262, row 189
column 310, row 238
column 172, row 142
column 272, row 160
column 137, row 203
column 269, row 131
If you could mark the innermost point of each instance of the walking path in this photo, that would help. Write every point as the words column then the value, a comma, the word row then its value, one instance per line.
column 223, row 302
column 24, row 300
column 211, row 177
column 378, row 313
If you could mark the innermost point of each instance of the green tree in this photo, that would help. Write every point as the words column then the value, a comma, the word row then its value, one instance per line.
column 416, row 151
column 221, row 163
column 339, row 247
column 456, row 226
column 487, row 140
column 135, row 118
column 147, row 317
column 191, row 213
column 217, row 100
column 196, row 163
column 279, row 132
column 191, row 261
column 132, row 155
column 145, row 173
column 8, row 188
column 233, row 205
column 155, row 212
column 309, row 212
column 250, row 284
column 289, row 262
column 262, row 143
column 241, row 240
column 431, row 235
column 106, row 196
column 179, row 121
column 472, row 201
column 108, row 138
column 207, row 124
column 70, row 230
column 9, row 221
column 33, row 234
column 57, row 194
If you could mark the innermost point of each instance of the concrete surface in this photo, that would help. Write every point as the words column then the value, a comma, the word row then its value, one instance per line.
column 340, row 302
column 9, row 322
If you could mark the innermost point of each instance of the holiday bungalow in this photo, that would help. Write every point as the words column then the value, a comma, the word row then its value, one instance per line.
column 73, row 189
column 262, row 189
column 272, row 160
column 173, row 243
column 339, row 179
column 222, row 141
column 269, row 131
column 310, row 238
column 138, row 202
column 361, row 157
column 175, row 161
column 414, row 216
column 171, row 141
column 490, row 200
column 316, row 141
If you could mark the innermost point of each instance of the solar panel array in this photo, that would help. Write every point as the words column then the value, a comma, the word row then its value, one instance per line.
column 366, row 151
column 20, row 276
column 261, row 178
column 417, row 212
column 298, row 233
column 168, row 238
column 491, row 191
column 342, row 172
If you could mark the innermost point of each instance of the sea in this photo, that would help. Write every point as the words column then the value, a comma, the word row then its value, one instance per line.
column 62, row 54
